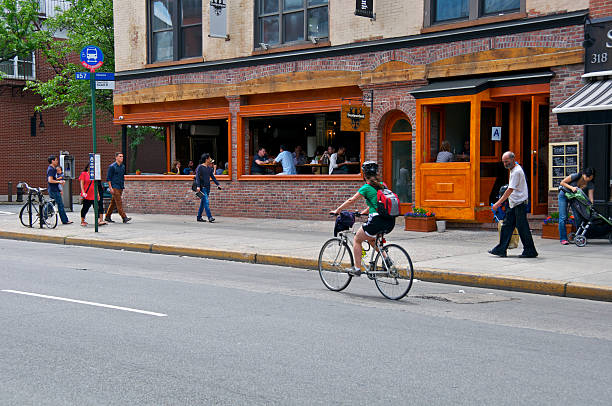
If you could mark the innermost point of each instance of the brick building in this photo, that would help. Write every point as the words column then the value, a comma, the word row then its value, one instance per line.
column 286, row 72
column 28, row 138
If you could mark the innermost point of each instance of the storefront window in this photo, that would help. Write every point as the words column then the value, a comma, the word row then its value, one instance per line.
column 448, row 133
column 192, row 139
column 175, row 29
column 290, row 21
column 311, row 139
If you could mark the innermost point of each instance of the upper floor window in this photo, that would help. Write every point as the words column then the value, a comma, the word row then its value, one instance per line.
column 285, row 21
column 175, row 29
column 19, row 68
column 441, row 11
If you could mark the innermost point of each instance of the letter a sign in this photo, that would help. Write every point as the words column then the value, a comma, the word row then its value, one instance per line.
column 496, row 134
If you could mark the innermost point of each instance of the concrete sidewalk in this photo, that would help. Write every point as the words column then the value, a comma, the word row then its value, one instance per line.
column 456, row 256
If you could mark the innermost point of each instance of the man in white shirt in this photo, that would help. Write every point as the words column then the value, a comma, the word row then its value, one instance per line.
column 286, row 159
column 517, row 195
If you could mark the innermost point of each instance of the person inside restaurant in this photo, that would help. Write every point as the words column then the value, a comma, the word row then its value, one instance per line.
column 337, row 162
column 444, row 155
column 286, row 160
column 176, row 168
column 190, row 169
column 260, row 159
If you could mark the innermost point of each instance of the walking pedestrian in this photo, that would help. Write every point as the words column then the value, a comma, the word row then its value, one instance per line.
column 204, row 173
column 53, row 187
column 115, row 178
column 89, row 194
column 517, row 195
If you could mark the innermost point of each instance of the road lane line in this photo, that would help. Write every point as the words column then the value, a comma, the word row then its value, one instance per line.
column 127, row 309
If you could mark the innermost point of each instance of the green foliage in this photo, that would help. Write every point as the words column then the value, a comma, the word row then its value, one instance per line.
column 19, row 24
column 86, row 22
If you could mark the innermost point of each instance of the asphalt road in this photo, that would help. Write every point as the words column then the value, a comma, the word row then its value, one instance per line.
column 217, row 332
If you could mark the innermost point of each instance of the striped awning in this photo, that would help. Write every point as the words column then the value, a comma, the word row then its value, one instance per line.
column 590, row 105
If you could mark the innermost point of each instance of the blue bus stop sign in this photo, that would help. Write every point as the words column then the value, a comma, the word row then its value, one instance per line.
column 92, row 57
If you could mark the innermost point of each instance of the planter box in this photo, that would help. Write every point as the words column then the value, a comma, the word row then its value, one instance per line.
column 425, row 224
column 551, row 230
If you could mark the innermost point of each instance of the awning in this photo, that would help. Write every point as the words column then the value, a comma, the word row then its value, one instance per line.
column 590, row 105
column 476, row 85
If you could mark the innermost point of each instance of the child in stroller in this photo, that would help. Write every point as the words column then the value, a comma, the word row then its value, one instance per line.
column 591, row 223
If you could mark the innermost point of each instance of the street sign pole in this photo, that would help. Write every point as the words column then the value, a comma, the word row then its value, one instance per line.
column 92, row 58
column 92, row 84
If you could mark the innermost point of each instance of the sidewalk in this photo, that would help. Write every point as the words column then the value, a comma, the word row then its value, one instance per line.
column 456, row 256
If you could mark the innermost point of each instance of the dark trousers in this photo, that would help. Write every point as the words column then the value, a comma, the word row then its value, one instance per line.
column 87, row 204
column 516, row 217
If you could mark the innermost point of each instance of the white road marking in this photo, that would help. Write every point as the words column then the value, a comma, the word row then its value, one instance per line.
column 127, row 309
column 6, row 212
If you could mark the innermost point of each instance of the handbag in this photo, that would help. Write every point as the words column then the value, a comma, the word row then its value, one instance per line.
column 194, row 185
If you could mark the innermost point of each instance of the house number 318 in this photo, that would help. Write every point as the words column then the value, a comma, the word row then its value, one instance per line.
column 599, row 58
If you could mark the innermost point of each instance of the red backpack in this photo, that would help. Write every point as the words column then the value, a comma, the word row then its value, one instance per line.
column 388, row 202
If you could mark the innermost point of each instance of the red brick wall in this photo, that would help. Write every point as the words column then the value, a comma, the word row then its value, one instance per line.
column 600, row 8
column 277, row 199
column 23, row 157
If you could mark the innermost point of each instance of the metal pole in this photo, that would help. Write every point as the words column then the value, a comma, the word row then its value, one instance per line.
column 92, row 83
column 10, row 191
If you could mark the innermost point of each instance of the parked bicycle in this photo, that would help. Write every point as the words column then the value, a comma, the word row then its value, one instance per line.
column 390, row 266
column 38, row 208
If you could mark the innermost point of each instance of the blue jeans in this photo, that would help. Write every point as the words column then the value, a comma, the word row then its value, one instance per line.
column 204, row 203
column 57, row 196
column 562, row 216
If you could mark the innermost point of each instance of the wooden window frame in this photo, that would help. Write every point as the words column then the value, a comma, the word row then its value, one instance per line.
column 176, row 29
column 498, row 123
column 475, row 13
column 281, row 13
column 427, row 131
column 283, row 109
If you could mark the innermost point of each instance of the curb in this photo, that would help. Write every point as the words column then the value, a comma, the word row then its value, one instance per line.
column 512, row 283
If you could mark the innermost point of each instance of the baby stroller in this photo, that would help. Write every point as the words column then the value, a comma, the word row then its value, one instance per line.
column 590, row 223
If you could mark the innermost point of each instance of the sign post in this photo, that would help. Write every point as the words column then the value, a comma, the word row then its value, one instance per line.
column 92, row 58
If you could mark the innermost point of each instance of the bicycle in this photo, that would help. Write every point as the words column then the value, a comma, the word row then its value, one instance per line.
column 38, row 203
column 390, row 266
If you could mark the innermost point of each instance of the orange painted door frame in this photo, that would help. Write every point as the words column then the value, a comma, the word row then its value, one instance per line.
column 388, row 139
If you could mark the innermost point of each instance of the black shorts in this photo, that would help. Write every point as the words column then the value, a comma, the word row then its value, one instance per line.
column 378, row 224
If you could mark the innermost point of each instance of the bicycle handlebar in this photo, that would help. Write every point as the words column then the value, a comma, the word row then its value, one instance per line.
column 355, row 213
column 33, row 189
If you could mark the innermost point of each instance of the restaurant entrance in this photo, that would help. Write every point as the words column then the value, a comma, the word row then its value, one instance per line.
column 397, row 161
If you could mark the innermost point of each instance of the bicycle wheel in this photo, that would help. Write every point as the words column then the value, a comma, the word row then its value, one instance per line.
column 50, row 215
column 334, row 257
column 24, row 215
column 396, row 283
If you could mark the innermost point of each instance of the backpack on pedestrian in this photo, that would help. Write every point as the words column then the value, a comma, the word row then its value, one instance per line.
column 388, row 202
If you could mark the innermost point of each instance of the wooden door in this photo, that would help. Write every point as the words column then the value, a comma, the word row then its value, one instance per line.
column 397, row 162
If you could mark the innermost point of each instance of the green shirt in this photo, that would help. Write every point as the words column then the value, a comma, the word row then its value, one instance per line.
column 369, row 193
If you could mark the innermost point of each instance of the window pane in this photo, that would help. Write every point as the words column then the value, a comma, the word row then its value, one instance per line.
column 7, row 67
column 292, row 4
column 401, row 168
column 191, row 41
column 269, row 30
column 269, row 6
column 316, row 2
column 162, row 46
column 162, row 14
column 191, row 12
column 293, row 27
column 497, row 6
column 25, row 69
column 402, row 126
column 318, row 25
column 487, row 122
column 450, row 9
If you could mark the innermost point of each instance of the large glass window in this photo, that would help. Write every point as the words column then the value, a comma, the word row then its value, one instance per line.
column 176, row 29
column 314, row 141
column 192, row 139
column 287, row 21
column 19, row 68
column 447, row 133
column 444, row 11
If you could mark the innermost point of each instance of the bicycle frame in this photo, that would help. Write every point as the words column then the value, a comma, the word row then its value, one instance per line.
column 378, row 245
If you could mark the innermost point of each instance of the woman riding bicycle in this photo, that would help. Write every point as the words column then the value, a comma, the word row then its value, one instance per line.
column 376, row 224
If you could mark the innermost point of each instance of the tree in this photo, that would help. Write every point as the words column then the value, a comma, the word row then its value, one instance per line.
column 18, row 24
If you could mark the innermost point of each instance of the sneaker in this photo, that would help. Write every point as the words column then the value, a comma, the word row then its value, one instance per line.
column 353, row 271
column 211, row 219
column 200, row 220
column 68, row 222
column 564, row 242
column 126, row 219
column 108, row 220
column 83, row 223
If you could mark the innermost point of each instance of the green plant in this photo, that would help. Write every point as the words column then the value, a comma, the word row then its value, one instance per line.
column 420, row 212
